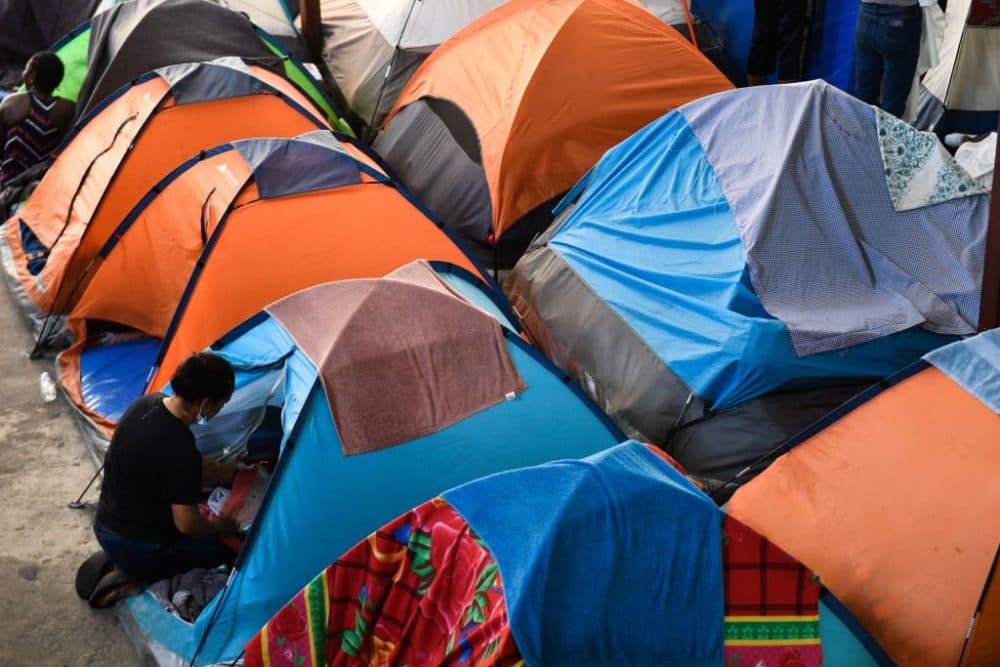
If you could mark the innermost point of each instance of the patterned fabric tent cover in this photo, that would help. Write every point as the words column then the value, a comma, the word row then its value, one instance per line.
column 469, row 579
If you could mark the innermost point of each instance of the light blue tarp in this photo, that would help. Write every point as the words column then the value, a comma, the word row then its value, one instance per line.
column 974, row 364
column 112, row 376
column 321, row 502
column 653, row 235
column 588, row 548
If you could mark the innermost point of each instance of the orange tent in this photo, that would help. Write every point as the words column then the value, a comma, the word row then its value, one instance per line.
column 896, row 506
column 512, row 110
column 229, row 232
column 123, row 149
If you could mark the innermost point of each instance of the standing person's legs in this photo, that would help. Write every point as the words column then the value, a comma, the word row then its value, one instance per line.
column 764, row 43
column 792, row 39
column 901, row 38
column 867, row 56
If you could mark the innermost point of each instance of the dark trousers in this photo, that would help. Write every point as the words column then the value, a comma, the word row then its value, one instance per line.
column 779, row 35
column 887, row 47
column 152, row 561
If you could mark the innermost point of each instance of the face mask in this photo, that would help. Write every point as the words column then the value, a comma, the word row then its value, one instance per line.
column 201, row 419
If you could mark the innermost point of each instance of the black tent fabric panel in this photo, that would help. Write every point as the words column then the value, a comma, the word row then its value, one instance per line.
column 21, row 35
column 286, row 167
column 29, row 26
column 36, row 25
column 717, row 447
column 581, row 334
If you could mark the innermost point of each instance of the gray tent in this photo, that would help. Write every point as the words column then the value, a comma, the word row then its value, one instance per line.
column 274, row 16
column 122, row 42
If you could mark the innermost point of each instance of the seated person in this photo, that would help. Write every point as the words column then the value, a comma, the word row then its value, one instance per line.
column 33, row 123
column 148, row 521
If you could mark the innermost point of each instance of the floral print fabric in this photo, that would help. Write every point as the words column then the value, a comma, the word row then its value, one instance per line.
column 423, row 590
column 918, row 169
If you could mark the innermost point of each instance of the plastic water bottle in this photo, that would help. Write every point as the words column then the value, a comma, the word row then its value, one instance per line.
column 47, row 386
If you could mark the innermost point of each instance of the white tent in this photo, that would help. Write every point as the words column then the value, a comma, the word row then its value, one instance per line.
column 962, row 93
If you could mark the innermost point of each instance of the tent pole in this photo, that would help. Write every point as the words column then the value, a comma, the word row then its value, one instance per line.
column 989, row 307
column 312, row 27
column 690, row 23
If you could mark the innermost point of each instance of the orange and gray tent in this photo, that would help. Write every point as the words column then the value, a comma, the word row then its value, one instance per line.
column 121, row 151
column 894, row 502
column 228, row 232
column 371, row 48
column 487, row 139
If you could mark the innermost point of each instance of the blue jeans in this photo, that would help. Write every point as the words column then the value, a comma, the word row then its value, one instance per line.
column 887, row 46
column 152, row 561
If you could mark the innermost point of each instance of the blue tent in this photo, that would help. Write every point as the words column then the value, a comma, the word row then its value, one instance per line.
column 627, row 543
column 720, row 268
column 614, row 559
column 323, row 497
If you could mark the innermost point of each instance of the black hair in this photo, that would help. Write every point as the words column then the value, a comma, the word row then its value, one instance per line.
column 48, row 70
column 204, row 375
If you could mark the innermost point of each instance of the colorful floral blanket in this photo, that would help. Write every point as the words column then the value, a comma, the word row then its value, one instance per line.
column 424, row 590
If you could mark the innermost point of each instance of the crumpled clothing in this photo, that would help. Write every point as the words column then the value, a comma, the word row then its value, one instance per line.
column 185, row 595
column 978, row 158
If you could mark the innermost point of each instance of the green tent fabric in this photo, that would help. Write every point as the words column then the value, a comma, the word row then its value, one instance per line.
column 73, row 54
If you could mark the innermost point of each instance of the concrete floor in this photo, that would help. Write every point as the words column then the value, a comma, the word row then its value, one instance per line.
column 43, row 466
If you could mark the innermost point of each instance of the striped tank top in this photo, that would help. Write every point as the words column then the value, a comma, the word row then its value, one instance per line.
column 30, row 141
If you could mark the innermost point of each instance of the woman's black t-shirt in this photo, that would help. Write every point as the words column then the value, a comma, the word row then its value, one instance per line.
column 152, row 463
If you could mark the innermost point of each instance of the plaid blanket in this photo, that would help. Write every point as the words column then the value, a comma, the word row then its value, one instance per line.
column 772, row 603
column 424, row 590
